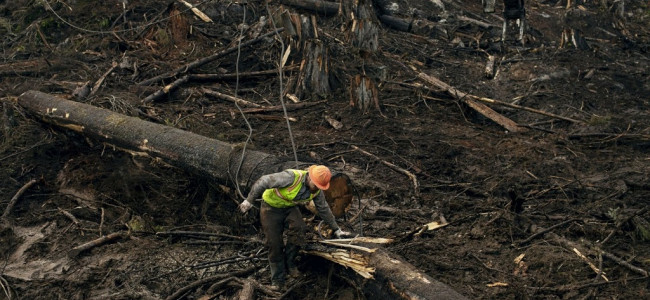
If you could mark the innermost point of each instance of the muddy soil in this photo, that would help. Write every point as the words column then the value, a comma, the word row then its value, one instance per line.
column 496, row 189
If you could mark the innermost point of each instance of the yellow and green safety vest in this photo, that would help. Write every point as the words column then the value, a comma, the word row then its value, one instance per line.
column 284, row 197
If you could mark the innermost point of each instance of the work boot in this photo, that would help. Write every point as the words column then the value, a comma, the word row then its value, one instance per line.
column 277, row 286
column 277, row 275
column 293, row 272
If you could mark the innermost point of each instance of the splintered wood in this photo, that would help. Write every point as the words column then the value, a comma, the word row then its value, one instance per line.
column 357, row 262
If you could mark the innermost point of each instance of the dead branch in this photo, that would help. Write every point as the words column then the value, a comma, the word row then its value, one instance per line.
column 467, row 99
column 541, row 112
column 623, row 263
column 70, row 216
column 166, row 89
column 591, row 265
column 570, row 245
column 289, row 106
column 227, row 261
column 482, row 24
column 201, row 282
column 414, row 179
column 96, row 242
column 101, row 79
column 14, row 199
column 241, row 74
column 197, row 63
column 576, row 287
column 248, row 290
column 197, row 12
column 542, row 232
column 6, row 288
column 208, row 234
column 255, row 285
column 238, row 101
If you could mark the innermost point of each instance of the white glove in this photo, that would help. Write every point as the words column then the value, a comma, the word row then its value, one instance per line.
column 245, row 206
column 341, row 234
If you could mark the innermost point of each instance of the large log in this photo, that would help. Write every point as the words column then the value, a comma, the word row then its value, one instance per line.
column 395, row 278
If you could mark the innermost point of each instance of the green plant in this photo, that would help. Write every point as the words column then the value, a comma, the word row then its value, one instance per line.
column 599, row 120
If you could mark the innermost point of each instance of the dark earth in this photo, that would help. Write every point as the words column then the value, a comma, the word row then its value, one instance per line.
column 497, row 189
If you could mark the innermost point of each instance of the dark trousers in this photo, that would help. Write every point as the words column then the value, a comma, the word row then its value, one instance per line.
column 274, row 220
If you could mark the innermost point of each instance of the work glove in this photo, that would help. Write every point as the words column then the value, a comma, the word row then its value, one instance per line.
column 245, row 206
column 341, row 234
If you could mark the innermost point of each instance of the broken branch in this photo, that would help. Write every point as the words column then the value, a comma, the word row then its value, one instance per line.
column 289, row 106
column 506, row 123
column 541, row 112
column 238, row 101
column 591, row 265
column 414, row 179
column 166, row 89
column 96, row 242
column 186, row 68
column 197, row 12
column 201, row 282
column 14, row 199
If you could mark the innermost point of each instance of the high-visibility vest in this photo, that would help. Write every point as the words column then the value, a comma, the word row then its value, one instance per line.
column 284, row 197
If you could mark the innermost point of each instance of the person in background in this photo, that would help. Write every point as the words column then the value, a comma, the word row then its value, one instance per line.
column 282, row 192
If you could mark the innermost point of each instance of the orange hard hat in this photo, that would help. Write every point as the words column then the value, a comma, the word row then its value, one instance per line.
column 320, row 176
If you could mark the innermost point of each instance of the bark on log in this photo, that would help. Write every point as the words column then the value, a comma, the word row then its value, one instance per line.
column 395, row 278
column 317, row 6
column 196, row 153
column 383, row 275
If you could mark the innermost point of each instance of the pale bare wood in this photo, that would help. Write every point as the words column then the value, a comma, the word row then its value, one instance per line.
column 197, row 12
column 467, row 99
column 591, row 265
column 278, row 108
column 541, row 112
column 233, row 99
column 248, row 290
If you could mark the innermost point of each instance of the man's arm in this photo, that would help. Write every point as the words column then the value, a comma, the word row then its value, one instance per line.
column 325, row 212
column 275, row 180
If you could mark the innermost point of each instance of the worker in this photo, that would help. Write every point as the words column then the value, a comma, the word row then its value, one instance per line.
column 281, row 193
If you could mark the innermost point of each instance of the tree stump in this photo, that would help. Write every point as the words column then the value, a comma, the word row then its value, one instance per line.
column 363, row 30
column 313, row 78
column 363, row 93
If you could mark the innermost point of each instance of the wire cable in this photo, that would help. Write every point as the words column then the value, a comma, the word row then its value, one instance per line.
column 250, row 128
column 284, row 107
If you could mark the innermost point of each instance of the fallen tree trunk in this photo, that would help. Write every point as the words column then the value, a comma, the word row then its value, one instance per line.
column 382, row 275
column 479, row 107
column 218, row 160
